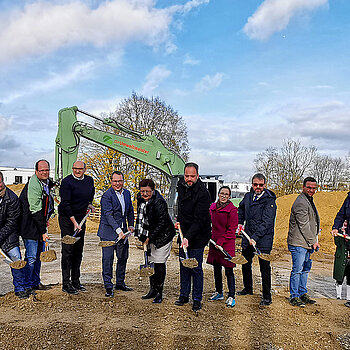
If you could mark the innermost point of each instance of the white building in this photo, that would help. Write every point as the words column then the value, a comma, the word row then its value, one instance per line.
column 18, row 175
column 238, row 189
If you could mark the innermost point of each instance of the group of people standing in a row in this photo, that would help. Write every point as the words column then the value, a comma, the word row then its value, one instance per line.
column 198, row 218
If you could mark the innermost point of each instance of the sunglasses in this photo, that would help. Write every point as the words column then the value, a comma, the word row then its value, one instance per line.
column 258, row 185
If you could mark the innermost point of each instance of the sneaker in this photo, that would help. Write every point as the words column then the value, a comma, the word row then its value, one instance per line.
column 182, row 300
column 230, row 302
column 79, row 288
column 22, row 294
column 109, row 293
column 347, row 304
column 244, row 292
column 197, row 305
column 216, row 296
column 69, row 289
column 296, row 302
column 306, row 299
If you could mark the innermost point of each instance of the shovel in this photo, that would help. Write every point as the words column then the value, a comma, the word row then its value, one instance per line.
column 111, row 243
column 147, row 269
column 191, row 263
column 67, row 239
column 18, row 264
column 47, row 255
column 261, row 255
column 239, row 259
column 343, row 235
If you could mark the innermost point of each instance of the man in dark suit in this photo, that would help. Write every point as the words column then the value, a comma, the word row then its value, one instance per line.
column 117, row 215
column 304, row 226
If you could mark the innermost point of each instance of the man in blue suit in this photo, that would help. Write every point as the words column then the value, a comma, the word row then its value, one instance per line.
column 117, row 216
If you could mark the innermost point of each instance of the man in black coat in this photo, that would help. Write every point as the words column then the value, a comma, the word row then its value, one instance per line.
column 77, row 193
column 9, row 234
column 257, row 212
column 37, row 206
column 194, row 219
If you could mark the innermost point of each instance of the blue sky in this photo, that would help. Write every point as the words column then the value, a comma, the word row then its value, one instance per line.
column 244, row 75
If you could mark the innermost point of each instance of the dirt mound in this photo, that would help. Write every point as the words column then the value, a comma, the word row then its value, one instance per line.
column 327, row 203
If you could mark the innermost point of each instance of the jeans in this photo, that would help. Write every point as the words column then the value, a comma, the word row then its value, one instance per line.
column 187, row 274
column 122, row 252
column 32, row 268
column 301, row 266
column 17, row 274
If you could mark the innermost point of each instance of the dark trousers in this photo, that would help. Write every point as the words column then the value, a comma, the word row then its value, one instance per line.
column 196, row 274
column 346, row 274
column 265, row 270
column 121, row 250
column 158, row 278
column 230, row 279
column 72, row 254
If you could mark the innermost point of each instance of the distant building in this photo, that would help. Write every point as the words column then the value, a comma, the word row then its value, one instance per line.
column 238, row 189
column 18, row 175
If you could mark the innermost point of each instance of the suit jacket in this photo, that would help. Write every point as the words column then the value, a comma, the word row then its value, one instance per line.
column 303, row 223
column 112, row 216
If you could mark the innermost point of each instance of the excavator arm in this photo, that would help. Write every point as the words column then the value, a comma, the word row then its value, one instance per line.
column 145, row 148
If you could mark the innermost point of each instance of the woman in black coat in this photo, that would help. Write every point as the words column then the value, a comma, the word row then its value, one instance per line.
column 154, row 228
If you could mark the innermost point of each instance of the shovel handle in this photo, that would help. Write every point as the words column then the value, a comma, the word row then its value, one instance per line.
column 343, row 235
column 81, row 223
column 182, row 238
column 254, row 245
column 5, row 256
column 145, row 253
column 221, row 249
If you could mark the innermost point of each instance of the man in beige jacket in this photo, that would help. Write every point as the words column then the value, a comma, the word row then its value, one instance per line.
column 304, row 225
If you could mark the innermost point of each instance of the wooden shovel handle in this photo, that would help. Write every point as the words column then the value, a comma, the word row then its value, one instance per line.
column 182, row 238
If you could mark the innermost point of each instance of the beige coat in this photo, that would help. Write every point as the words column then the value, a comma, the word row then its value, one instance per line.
column 303, row 223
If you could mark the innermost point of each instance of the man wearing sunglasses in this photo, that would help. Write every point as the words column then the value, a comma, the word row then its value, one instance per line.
column 257, row 212
column 304, row 226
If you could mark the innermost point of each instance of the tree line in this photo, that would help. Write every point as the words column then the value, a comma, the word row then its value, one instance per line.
column 286, row 167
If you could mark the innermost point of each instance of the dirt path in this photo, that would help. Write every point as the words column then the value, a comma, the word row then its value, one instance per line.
column 91, row 321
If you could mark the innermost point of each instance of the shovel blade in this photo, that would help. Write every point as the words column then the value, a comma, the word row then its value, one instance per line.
column 48, row 256
column 146, row 270
column 238, row 259
column 190, row 263
column 106, row 243
column 69, row 239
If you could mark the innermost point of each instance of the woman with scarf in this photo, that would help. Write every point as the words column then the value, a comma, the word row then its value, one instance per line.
column 154, row 228
column 224, row 216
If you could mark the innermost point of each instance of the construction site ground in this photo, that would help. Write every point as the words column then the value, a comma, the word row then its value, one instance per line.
column 55, row 320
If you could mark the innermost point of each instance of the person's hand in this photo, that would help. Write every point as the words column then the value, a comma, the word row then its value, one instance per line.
column 131, row 229
column 252, row 242
column 146, row 241
column 45, row 236
column 77, row 227
column 121, row 235
column 334, row 232
column 316, row 246
column 177, row 225
column 184, row 243
column 92, row 208
column 239, row 229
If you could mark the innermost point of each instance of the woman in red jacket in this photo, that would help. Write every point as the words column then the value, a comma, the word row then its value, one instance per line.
column 224, row 216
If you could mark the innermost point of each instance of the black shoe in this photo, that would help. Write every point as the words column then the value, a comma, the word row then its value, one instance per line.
column 182, row 300
column 69, row 289
column 30, row 291
column 265, row 302
column 158, row 299
column 151, row 294
column 306, row 299
column 124, row 288
column 22, row 294
column 244, row 292
column 296, row 302
column 79, row 288
column 42, row 287
column 196, row 305
column 109, row 293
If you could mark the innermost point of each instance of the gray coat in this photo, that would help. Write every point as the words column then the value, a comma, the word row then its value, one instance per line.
column 303, row 223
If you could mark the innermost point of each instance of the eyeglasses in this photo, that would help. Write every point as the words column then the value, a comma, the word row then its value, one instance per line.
column 224, row 194
column 44, row 170
column 78, row 168
column 118, row 181
column 258, row 185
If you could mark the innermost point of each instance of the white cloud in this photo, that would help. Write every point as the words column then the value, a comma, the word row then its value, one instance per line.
column 208, row 82
column 42, row 27
column 190, row 60
column 154, row 78
column 274, row 15
column 4, row 124
column 55, row 81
